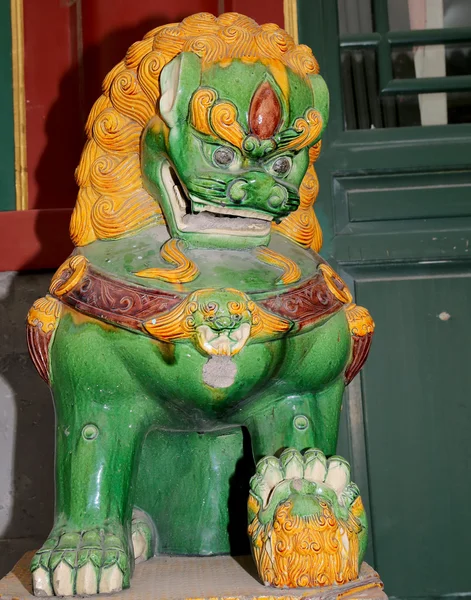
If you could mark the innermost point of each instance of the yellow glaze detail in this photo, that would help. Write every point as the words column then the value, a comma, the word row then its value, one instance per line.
column 115, row 203
column 294, row 551
column 68, row 275
column 308, row 127
column 291, row 271
column 148, row 71
column 196, row 316
column 357, row 507
column 172, row 252
column 301, row 59
column 223, row 120
column 266, row 324
column 252, row 598
column 45, row 313
column 359, row 320
column 335, row 284
column 315, row 151
column 135, row 212
column 302, row 225
column 112, row 131
column 351, row 592
column 128, row 97
column 177, row 324
column 278, row 70
column 201, row 103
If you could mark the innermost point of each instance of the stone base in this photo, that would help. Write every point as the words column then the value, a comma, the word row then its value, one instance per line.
column 201, row 578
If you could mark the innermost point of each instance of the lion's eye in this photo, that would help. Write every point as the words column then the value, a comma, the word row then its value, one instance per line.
column 282, row 165
column 223, row 156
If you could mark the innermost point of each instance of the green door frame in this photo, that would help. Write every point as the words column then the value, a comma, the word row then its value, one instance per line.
column 369, row 235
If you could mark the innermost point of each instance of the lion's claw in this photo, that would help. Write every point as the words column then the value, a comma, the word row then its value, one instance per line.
column 82, row 563
column 93, row 561
column 307, row 523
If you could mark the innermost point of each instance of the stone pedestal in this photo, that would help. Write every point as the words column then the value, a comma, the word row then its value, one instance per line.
column 198, row 578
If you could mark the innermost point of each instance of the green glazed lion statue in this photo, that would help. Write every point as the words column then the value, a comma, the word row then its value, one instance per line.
column 194, row 314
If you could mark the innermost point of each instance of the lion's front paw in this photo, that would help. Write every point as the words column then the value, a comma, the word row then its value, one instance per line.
column 82, row 563
column 307, row 524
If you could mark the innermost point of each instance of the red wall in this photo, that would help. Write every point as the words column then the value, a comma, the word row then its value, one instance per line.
column 67, row 54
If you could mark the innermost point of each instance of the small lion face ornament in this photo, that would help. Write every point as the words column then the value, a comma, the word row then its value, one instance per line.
column 228, row 152
column 222, row 327
column 219, row 322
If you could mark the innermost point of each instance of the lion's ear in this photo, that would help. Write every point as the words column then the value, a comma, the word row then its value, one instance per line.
column 178, row 81
column 320, row 95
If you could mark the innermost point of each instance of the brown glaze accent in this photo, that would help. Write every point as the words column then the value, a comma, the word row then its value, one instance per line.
column 305, row 304
column 122, row 304
column 265, row 112
column 361, row 348
column 38, row 346
column 127, row 305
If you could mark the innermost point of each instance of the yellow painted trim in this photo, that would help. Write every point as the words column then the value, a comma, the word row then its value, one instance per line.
column 45, row 313
column 335, row 284
column 360, row 321
column 185, row 269
column 19, row 103
column 180, row 322
column 291, row 271
column 290, row 12
column 68, row 275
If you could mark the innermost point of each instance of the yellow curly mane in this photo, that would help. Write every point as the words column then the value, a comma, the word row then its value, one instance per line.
column 112, row 201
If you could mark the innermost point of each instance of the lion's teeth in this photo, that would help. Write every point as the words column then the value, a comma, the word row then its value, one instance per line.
column 221, row 344
column 241, row 335
column 180, row 200
column 199, row 207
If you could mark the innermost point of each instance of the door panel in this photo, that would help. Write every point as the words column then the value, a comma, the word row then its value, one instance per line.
column 417, row 420
column 402, row 216
column 395, row 208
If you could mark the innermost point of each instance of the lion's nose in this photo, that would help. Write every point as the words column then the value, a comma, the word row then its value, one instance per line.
column 278, row 197
column 237, row 191
column 222, row 323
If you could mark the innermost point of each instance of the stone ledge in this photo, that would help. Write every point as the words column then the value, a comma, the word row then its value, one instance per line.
column 204, row 578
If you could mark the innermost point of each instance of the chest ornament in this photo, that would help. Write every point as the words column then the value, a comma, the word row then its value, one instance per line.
column 219, row 321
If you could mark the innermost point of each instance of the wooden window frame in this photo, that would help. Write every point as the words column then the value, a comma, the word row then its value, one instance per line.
column 38, row 238
column 384, row 41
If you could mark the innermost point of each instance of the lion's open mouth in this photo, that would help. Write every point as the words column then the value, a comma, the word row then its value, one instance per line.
column 194, row 214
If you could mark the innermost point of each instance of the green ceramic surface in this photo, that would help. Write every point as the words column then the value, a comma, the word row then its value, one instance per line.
column 126, row 385
column 173, row 426
column 229, row 268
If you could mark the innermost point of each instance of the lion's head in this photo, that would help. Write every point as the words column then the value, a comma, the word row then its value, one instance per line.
column 213, row 122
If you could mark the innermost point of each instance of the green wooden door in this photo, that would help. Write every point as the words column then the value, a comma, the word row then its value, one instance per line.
column 395, row 207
